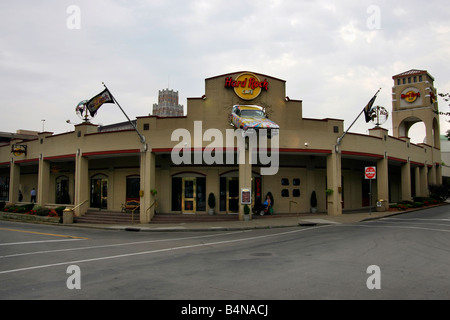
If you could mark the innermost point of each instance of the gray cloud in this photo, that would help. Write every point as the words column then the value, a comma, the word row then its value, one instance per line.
column 325, row 50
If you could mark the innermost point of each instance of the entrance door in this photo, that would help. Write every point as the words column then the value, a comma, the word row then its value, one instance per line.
column 99, row 192
column 232, row 195
column 62, row 190
column 188, row 204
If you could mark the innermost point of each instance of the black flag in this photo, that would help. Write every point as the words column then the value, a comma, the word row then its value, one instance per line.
column 96, row 102
column 368, row 107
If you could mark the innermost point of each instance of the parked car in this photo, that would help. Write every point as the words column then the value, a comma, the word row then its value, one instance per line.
column 251, row 118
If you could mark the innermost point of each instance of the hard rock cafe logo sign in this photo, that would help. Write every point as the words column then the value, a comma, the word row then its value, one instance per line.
column 410, row 96
column 18, row 150
column 247, row 86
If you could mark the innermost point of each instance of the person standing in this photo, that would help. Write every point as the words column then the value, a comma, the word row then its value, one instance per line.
column 33, row 195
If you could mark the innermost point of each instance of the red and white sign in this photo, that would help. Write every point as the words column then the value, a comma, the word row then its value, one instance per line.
column 370, row 173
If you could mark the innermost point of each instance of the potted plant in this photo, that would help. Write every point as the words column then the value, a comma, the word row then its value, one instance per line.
column 329, row 192
column 313, row 202
column 153, row 192
column 211, row 203
column 246, row 212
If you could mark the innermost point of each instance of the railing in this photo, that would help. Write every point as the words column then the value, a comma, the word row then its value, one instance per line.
column 155, row 203
column 79, row 205
column 132, row 213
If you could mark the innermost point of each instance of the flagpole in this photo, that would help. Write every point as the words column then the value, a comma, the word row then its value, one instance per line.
column 141, row 137
column 339, row 140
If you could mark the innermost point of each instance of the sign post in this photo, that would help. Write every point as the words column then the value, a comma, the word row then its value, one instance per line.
column 370, row 173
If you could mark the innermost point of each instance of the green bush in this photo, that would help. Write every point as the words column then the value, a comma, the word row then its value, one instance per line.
column 439, row 191
column 43, row 212
column 59, row 210
column 27, row 207
column 418, row 204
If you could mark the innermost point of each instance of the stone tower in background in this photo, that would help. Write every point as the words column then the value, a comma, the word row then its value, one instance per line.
column 168, row 105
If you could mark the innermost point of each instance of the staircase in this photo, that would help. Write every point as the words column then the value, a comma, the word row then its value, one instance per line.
column 186, row 218
column 107, row 217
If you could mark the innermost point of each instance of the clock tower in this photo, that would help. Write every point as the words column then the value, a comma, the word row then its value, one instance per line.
column 414, row 100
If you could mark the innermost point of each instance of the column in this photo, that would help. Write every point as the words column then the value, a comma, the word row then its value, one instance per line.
column 438, row 174
column 423, row 181
column 417, row 181
column 406, row 181
column 383, row 183
column 432, row 174
column 245, row 179
column 147, row 173
column 43, row 182
column 14, row 182
column 82, row 184
column 334, row 183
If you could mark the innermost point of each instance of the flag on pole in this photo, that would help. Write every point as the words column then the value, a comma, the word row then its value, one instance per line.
column 368, row 108
column 96, row 102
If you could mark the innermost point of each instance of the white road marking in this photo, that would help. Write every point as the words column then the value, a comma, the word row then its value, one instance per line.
column 157, row 251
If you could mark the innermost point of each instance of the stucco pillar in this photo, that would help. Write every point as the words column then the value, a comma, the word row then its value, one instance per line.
column 406, row 181
column 334, row 183
column 383, row 183
column 245, row 178
column 147, row 173
column 14, row 182
column 417, row 181
column 423, row 181
column 43, row 182
column 438, row 174
column 82, row 184
column 432, row 175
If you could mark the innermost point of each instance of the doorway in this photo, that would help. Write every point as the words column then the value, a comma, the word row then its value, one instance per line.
column 189, row 194
column 99, row 191
column 232, row 195
column 188, row 203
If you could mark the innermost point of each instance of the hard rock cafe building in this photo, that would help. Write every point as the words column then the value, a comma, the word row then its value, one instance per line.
column 92, row 168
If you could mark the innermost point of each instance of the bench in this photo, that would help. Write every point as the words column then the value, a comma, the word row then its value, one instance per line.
column 130, row 206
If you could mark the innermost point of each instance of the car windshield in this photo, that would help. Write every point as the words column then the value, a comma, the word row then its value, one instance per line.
column 252, row 113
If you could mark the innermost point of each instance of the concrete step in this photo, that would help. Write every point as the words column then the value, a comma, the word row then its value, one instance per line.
column 105, row 217
column 184, row 218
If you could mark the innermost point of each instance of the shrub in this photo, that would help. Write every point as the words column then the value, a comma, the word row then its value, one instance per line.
column 27, row 207
column 43, row 212
column 439, row 191
column 53, row 213
column 59, row 210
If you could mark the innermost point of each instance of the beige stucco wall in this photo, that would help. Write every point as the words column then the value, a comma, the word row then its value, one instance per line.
column 305, row 145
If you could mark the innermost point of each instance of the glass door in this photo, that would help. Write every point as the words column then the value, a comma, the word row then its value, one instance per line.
column 188, row 204
column 232, row 195
column 99, row 192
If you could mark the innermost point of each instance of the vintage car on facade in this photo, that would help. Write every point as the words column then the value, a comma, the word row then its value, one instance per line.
column 251, row 118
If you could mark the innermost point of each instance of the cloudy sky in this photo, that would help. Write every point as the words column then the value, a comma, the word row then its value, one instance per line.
column 334, row 55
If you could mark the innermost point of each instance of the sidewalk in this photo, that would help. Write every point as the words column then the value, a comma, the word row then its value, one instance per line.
column 257, row 223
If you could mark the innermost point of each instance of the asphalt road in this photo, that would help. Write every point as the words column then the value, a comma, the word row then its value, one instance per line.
column 402, row 257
